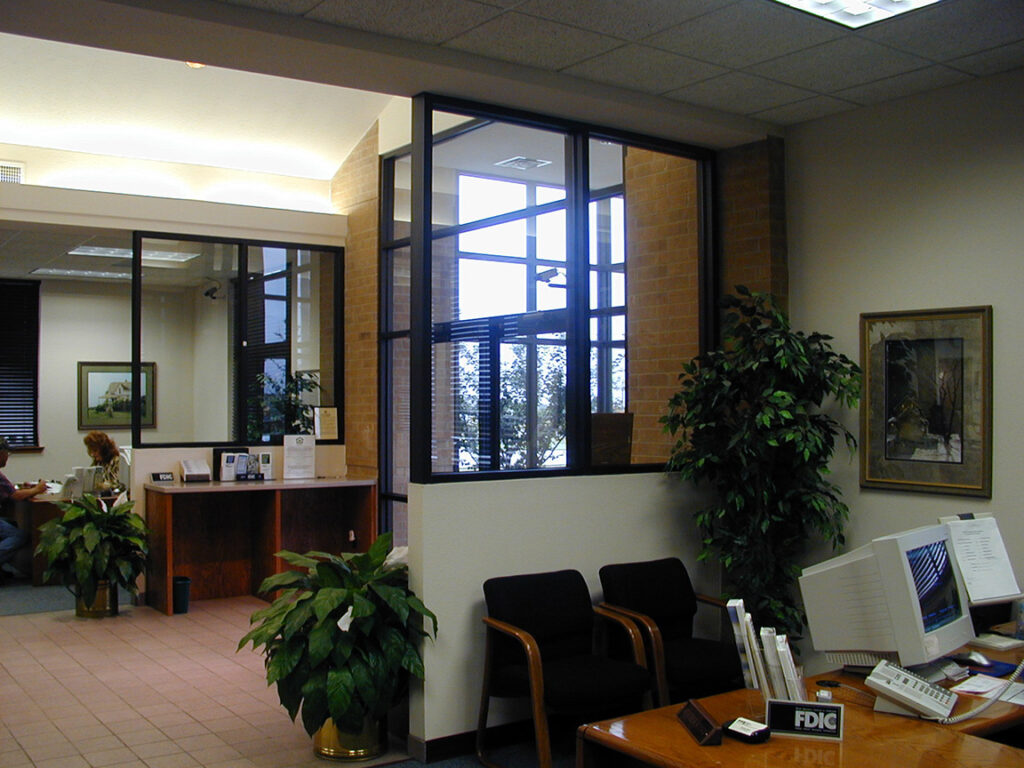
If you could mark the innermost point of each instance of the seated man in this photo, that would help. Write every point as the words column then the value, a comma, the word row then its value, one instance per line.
column 12, row 538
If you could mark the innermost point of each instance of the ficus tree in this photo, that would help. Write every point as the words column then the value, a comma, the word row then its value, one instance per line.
column 749, row 422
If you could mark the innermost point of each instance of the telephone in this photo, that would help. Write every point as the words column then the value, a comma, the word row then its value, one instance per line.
column 902, row 692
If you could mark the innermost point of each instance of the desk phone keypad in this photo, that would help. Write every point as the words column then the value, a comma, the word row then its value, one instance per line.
column 906, row 688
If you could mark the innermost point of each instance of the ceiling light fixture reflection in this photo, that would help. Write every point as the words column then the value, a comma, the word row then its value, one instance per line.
column 521, row 163
column 125, row 253
column 856, row 13
column 102, row 275
column 194, row 64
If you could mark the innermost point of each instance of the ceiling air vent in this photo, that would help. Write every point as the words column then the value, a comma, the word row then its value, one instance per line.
column 12, row 172
column 521, row 163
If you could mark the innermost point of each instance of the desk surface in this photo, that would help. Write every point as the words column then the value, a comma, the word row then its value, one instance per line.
column 219, row 486
column 870, row 739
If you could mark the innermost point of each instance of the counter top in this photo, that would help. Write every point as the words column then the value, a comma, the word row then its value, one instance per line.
column 216, row 486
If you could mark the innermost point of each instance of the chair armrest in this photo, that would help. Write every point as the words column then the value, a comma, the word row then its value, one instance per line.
column 657, row 646
column 530, row 646
column 718, row 602
column 636, row 641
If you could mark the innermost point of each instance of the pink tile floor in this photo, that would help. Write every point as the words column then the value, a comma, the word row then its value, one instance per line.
column 142, row 690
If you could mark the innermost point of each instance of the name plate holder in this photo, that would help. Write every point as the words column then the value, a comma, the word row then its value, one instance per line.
column 702, row 726
column 806, row 719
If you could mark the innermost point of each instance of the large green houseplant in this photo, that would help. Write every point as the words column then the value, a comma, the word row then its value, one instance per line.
column 341, row 640
column 93, row 547
column 750, row 423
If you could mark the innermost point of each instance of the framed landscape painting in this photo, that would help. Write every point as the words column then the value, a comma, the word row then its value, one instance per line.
column 926, row 410
column 105, row 395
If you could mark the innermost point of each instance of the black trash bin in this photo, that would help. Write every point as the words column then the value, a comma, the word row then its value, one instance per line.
column 182, row 584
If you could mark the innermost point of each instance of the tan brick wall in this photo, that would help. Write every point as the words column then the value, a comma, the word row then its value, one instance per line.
column 662, row 285
column 753, row 219
column 354, row 192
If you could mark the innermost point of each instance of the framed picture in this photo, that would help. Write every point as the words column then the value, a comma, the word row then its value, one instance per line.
column 926, row 410
column 105, row 395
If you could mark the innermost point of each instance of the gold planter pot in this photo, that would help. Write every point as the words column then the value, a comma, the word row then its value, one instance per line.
column 331, row 743
column 105, row 603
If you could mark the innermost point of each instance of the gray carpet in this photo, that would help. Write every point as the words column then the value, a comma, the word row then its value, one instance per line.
column 19, row 597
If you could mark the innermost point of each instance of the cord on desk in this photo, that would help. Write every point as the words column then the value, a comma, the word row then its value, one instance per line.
column 992, row 700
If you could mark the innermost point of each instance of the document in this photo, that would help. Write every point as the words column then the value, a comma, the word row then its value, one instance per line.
column 981, row 554
column 325, row 422
column 299, row 456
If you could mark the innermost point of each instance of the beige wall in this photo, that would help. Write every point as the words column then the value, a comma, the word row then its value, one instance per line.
column 913, row 205
column 460, row 534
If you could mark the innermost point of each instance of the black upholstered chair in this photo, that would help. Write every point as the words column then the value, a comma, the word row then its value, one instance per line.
column 541, row 645
column 659, row 597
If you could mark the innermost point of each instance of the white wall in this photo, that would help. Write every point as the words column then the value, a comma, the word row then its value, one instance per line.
column 461, row 534
column 917, row 204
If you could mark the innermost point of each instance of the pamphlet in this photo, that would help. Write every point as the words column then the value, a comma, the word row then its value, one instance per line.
column 984, row 563
column 299, row 456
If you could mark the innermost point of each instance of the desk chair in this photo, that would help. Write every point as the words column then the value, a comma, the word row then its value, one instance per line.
column 541, row 644
column 659, row 597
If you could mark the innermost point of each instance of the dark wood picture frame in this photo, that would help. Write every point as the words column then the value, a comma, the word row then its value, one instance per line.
column 926, row 409
column 109, row 384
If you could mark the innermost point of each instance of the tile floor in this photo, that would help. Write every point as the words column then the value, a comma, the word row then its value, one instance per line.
column 142, row 690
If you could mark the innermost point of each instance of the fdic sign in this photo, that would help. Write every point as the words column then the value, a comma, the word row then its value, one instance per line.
column 805, row 718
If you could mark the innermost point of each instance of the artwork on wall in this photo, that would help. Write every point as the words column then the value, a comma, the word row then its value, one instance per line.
column 105, row 395
column 926, row 411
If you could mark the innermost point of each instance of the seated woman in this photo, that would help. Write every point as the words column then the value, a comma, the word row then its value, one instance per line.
column 104, row 454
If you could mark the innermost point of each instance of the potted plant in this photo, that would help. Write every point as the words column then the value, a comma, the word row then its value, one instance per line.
column 95, row 548
column 750, row 423
column 340, row 642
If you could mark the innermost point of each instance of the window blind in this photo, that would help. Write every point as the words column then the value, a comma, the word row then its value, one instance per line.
column 19, row 362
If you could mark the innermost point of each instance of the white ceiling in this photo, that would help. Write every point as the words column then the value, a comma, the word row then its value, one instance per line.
column 748, row 57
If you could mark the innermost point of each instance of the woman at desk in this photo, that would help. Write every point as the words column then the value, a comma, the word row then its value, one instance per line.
column 105, row 455
column 12, row 538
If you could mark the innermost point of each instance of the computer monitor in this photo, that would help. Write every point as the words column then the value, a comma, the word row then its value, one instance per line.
column 899, row 598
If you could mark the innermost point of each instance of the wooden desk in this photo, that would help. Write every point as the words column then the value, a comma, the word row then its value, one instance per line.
column 870, row 740
column 30, row 514
column 223, row 535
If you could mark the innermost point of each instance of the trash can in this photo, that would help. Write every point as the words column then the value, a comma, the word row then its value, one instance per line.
column 182, row 584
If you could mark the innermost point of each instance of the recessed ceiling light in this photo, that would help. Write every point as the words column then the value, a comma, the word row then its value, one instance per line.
column 856, row 13
column 521, row 163
column 194, row 65
column 52, row 272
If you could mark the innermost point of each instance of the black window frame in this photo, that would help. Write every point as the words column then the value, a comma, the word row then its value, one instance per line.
column 578, row 195
column 241, row 320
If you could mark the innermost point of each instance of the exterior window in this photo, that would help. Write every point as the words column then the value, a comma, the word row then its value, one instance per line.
column 19, row 364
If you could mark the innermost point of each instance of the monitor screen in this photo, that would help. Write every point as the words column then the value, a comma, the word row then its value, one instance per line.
column 937, row 594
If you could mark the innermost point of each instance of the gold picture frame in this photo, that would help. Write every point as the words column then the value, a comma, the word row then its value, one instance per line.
column 926, row 410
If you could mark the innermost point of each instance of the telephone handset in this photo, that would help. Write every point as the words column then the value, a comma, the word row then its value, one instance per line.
column 908, row 691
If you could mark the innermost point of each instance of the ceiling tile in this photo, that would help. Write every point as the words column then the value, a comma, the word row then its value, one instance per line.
column 745, row 33
column 906, row 84
column 800, row 111
column 841, row 63
column 627, row 19
column 535, row 42
column 434, row 22
column 644, row 69
column 953, row 29
column 993, row 61
column 740, row 93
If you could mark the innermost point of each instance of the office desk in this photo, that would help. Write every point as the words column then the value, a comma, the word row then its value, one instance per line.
column 223, row 535
column 30, row 514
column 870, row 740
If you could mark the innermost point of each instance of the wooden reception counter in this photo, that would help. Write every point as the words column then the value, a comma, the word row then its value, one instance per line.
column 223, row 535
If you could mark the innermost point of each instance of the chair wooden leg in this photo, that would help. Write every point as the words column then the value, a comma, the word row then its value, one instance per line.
column 540, row 719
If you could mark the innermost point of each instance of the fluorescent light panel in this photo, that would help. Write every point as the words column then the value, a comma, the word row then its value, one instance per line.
column 856, row 13
column 52, row 272
column 125, row 253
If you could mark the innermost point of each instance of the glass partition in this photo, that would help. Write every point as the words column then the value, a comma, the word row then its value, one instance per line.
column 244, row 338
